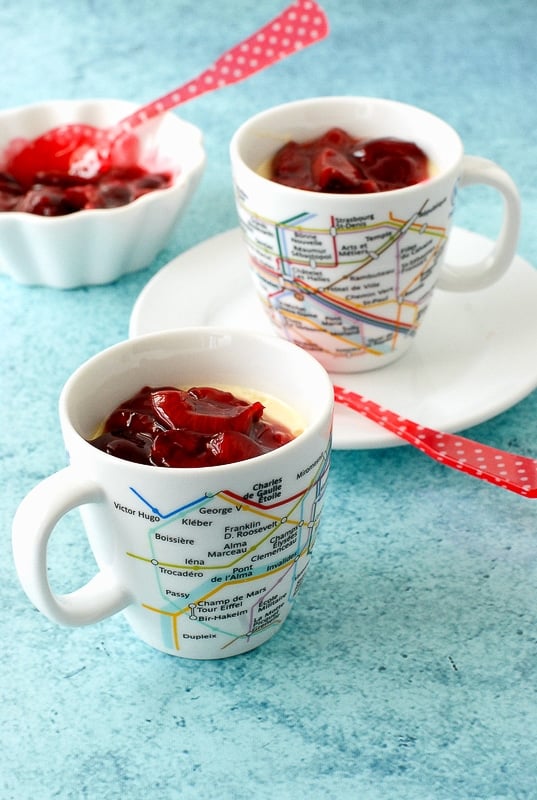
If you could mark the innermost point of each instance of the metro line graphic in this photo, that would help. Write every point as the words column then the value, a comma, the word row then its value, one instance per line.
column 257, row 509
column 373, row 256
column 353, row 312
column 205, row 498
column 357, row 310
column 171, row 619
column 291, row 521
column 399, row 226
column 351, row 285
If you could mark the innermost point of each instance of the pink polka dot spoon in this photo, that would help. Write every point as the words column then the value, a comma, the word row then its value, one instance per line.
column 507, row 470
column 86, row 151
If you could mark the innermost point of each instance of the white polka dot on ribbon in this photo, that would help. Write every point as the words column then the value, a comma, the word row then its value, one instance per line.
column 509, row 470
column 301, row 24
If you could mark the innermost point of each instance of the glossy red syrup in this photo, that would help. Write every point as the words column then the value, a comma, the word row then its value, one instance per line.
column 342, row 164
column 54, row 194
column 198, row 427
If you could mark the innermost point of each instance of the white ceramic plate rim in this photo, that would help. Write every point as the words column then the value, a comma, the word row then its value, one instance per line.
column 473, row 357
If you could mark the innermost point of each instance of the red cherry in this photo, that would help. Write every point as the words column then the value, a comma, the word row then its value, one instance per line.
column 54, row 175
column 334, row 172
column 231, row 446
column 50, row 153
column 200, row 427
column 339, row 163
column 205, row 411
column 179, row 448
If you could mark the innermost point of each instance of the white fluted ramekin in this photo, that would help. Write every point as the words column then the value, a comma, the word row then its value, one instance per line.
column 97, row 246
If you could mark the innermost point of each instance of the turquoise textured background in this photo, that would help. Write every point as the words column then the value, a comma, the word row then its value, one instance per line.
column 408, row 668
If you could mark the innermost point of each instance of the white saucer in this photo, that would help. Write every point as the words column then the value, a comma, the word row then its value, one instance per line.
column 474, row 356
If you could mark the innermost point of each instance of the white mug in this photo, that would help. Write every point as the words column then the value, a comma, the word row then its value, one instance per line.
column 205, row 562
column 349, row 277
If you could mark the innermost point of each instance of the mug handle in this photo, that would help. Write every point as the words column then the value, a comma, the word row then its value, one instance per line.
column 486, row 271
column 33, row 524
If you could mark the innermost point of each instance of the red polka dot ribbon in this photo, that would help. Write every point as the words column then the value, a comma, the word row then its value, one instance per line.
column 300, row 25
column 508, row 470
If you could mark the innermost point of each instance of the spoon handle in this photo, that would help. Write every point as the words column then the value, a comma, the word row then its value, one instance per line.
column 301, row 24
column 508, row 470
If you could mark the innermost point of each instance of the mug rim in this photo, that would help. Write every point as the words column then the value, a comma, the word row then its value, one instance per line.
column 71, row 431
column 246, row 127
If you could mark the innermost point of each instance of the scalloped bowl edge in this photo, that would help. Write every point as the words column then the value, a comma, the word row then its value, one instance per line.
column 98, row 246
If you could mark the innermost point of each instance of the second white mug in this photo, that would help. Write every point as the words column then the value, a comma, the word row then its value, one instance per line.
column 349, row 277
